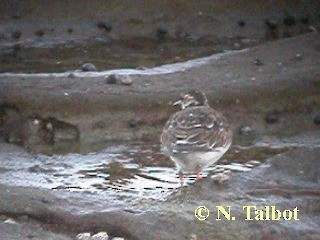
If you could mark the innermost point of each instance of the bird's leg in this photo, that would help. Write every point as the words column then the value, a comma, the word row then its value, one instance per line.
column 181, row 177
column 198, row 170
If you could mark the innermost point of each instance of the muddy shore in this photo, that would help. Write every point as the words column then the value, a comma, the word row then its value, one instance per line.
column 66, row 137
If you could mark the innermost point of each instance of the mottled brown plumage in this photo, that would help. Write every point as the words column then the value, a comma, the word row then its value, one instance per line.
column 197, row 136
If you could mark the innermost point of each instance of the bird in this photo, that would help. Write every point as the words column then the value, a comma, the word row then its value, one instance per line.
column 197, row 136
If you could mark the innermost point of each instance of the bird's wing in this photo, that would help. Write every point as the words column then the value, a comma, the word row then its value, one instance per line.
column 195, row 129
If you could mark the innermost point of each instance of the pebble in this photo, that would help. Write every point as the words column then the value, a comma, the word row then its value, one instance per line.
column 220, row 177
column 316, row 119
column 88, row 67
column 271, row 118
column 111, row 79
column 100, row 236
column 258, row 62
column 133, row 123
column 118, row 79
column 289, row 21
column 241, row 23
column 245, row 130
column 83, row 236
column 299, row 56
column 161, row 33
column 104, row 26
column 254, row 162
column 10, row 221
column 71, row 75
column 126, row 80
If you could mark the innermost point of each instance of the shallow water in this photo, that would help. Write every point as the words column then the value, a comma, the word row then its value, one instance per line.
column 123, row 173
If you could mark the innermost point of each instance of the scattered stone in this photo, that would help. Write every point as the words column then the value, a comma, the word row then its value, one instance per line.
column 258, row 62
column 254, row 162
column 220, row 178
column 111, row 79
column 316, row 119
column 10, row 221
column 133, row 123
column 88, row 67
column 100, row 236
column 126, row 80
column 237, row 46
column 245, row 130
column 16, row 35
column 103, row 26
column 271, row 29
column 103, row 39
column 241, row 23
column 83, row 236
column 162, row 33
column 70, row 30
column 271, row 118
column 192, row 38
column 71, row 75
column 298, row 56
column 39, row 33
column 118, row 79
column 289, row 21
column 304, row 20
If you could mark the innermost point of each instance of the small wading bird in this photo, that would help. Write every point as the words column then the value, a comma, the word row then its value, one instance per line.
column 196, row 136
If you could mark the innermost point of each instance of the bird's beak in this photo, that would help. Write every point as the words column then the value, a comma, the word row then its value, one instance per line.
column 177, row 103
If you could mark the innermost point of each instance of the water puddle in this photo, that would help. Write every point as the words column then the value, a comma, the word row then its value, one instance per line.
column 124, row 172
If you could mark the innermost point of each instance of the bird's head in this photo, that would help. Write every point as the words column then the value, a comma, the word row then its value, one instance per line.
column 192, row 98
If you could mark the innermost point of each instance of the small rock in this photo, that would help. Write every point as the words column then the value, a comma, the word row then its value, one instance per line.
column 245, row 130
column 254, row 162
column 118, row 79
column 39, row 33
column 133, row 123
column 111, row 79
column 100, row 236
column 126, row 80
column 220, row 178
column 271, row 24
column 70, row 30
column 289, row 21
column 16, row 35
column 258, row 62
column 103, row 26
column 241, row 23
column 71, row 75
column 88, row 67
column 10, row 221
column 104, row 40
column 298, row 56
column 316, row 119
column 237, row 45
column 161, row 33
column 271, row 118
column 304, row 20
column 83, row 236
